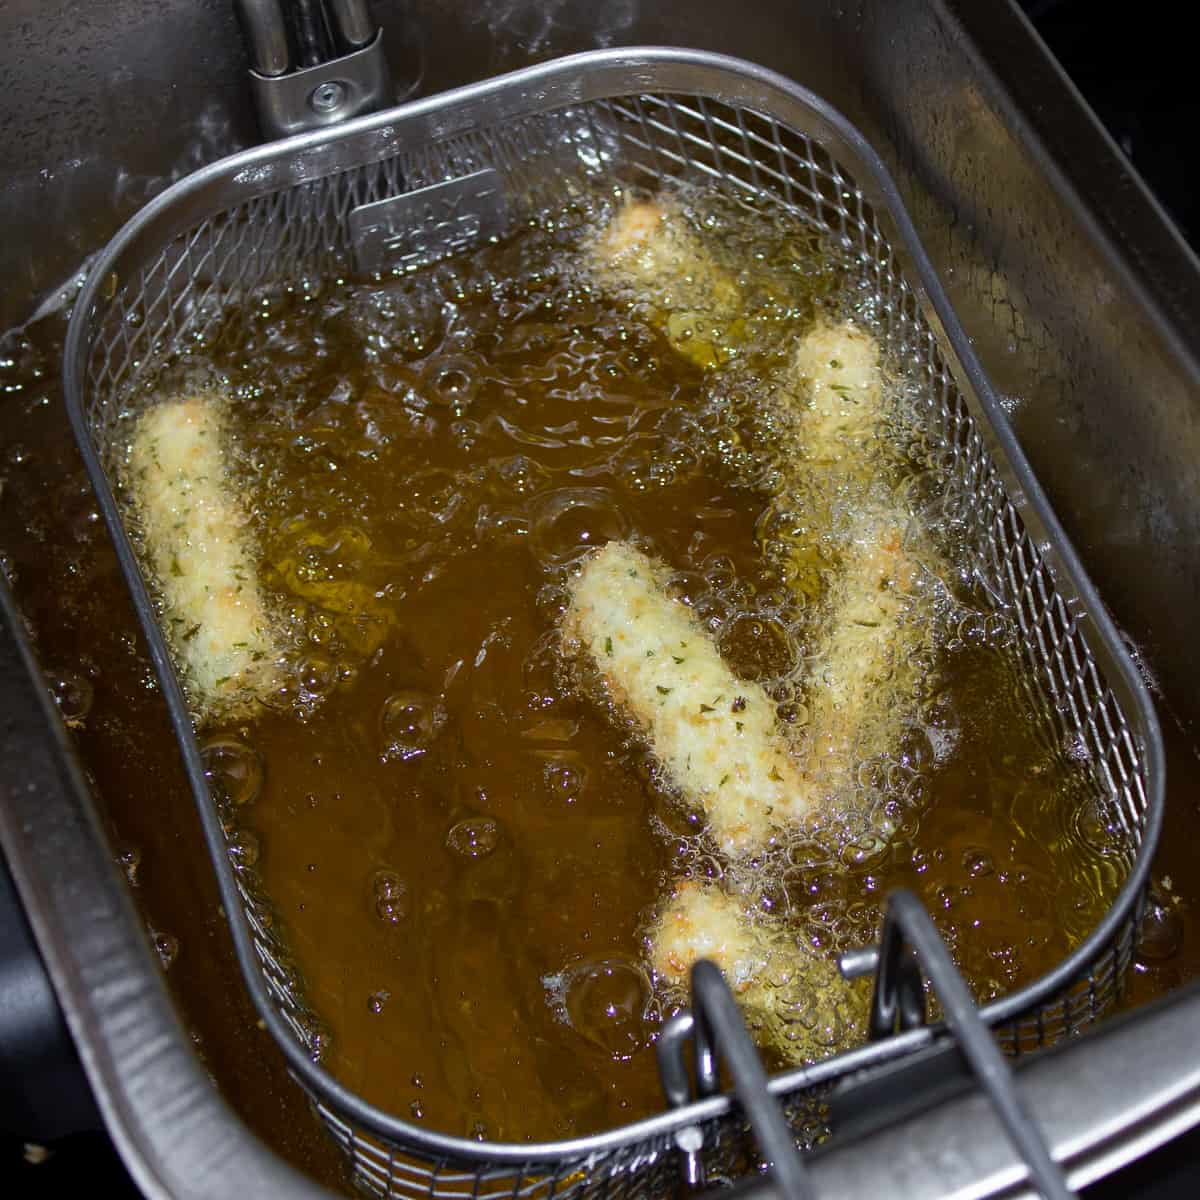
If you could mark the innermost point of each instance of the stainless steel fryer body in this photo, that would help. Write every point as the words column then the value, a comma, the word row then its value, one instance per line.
column 853, row 58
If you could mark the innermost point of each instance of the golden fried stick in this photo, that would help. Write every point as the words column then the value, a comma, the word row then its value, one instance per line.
column 865, row 664
column 195, row 538
column 648, row 250
column 877, row 619
column 794, row 1001
column 835, row 368
column 716, row 736
column 831, row 406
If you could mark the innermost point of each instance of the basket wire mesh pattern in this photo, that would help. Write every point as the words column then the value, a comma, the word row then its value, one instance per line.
column 212, row 243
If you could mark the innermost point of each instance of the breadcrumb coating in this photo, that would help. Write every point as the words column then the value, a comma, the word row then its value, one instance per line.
column 876, row 618
column 195, row 538
column 865, row 660
column 716, row 735
column 835, row 368
column 794, row 1001
column 701, row 921
column 648, row 249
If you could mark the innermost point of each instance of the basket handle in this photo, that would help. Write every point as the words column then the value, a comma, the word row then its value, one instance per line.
column 910, row 941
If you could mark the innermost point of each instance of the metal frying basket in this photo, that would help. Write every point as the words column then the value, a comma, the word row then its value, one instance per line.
column 320, row 204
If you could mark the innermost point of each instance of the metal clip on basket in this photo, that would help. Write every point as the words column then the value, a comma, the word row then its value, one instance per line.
column 409, row 185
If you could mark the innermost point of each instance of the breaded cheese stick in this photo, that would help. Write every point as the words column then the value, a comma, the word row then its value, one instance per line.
column 717, row 736
column 195, row 539
column 864, row 671
column 794, row 1002
column 835, row 368
column 832, row 407
column 648, row 249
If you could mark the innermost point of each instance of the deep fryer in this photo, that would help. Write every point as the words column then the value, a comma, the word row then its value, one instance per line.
column 409, row 186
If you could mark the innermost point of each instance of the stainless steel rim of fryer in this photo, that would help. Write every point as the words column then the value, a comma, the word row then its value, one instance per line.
column 535, row 90
column 56, row 849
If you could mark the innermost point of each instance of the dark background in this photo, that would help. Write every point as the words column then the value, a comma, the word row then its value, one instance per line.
column 1133, row 65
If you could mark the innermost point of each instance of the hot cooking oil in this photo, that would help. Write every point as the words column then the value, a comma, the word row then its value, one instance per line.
column 464, row 848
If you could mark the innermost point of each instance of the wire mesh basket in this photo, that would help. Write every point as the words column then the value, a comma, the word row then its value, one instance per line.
column 318, row 205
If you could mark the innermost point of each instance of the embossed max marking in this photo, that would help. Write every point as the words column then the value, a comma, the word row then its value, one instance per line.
column 430, row 223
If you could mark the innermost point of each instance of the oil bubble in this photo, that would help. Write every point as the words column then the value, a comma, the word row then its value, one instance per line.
column 438, row 494
column 720, row 572
column 607, row 1002
column 73, row 693
column 1076, row 749
column 565, row 774
column 571, row 521
column 1161, row 933
column 389, row 897
column 646, row 463
column 1087, row 823
column 757, row 648
column 386, row 884
column 553, row 599
column 941, row 743
column 475, row 837
column 324, row 555
column 466, row 435
column 318, row 674
column 519, row 474
column 166, row 947
column 234, row 770
column 244, row 849
column 451, row 380
column 688, row 587
column 410, row 722
column 863, row 852
column 392, row 911
column 977, row 862
column 317, row 1038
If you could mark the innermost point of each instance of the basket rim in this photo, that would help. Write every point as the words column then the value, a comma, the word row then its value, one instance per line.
column 558, row 83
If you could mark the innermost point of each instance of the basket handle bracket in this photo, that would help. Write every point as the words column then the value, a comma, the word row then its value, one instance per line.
column 313, row 63
column 714, row 1026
